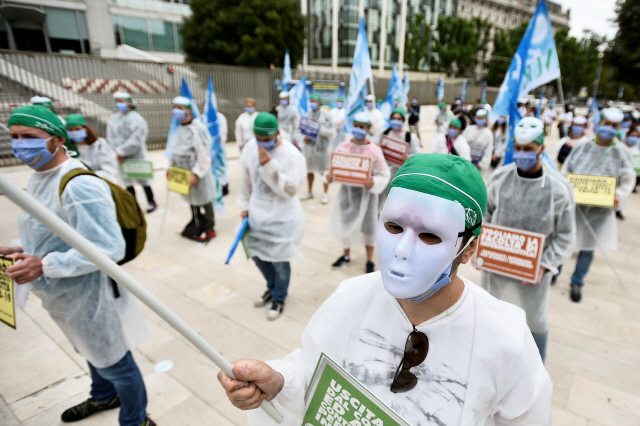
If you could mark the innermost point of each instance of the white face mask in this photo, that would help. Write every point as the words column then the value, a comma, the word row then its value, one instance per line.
column 412, row 265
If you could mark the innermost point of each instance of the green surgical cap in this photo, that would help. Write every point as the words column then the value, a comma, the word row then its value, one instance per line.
column 265, row 124
column 378, row 101
column 400, row 111
column 314, row 97
column 446, row 176
column 75, row 120
column 442, row 105
column 455, row 123
column 41, row 118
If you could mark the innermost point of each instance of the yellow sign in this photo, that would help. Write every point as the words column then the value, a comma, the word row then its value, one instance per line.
column 178, row 180
column 7, row 304
column 597, row 191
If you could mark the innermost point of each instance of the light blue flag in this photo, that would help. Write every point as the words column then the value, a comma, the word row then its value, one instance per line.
column 440, row 89
column 184, row 91
column 360, row 72
column 534, row 64
column 396, row 88
column 539, row 109
column 553, row 103
column 299, row 97
column 484, row 90
column 596, row 115
column 464, row 90
column 405, row 93
column 218, row 157
column 286, row 72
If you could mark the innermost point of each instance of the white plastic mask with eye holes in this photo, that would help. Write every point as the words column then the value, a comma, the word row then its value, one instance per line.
column 419, row 237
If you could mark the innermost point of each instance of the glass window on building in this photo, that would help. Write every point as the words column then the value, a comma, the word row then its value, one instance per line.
column 134, row 31
column 162, row 36
column 67, row 30
column 4, row 35
column 180, row 46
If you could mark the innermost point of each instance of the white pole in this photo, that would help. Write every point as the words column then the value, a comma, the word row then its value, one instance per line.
column 360, row 10
column 69, row 235
column 305, row 54
column 383, row 37
column 334, row 35
column 403, row 34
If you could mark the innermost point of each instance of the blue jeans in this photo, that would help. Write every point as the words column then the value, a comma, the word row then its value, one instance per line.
column 277, row 275
column 582, row 268
column 541, row 343
column 122, row 378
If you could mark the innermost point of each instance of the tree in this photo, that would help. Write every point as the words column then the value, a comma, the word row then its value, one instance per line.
column 461, row 42
column 245, row 32
column 417, row 42
column 505, row 44
column 578, row 60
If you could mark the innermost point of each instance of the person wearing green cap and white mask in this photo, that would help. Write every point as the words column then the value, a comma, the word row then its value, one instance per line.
column 528, row 196
column 452, row 142
column 577, row 135
column 190, row 148
column 473, row 360
column 317, row 152
column 443, row 118
column 95, row 152
column 338, row 115
column 271, row 173
column 288, row 117
column 78, row 296
column 127, row 133
column 480, row 140
column 602, row 156
column 377, row 119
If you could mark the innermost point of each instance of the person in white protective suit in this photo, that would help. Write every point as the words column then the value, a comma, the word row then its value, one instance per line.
column 223, row 180
column 338, row 115
column 317, row 152
column 378, row 123
column 288, row 117
column 473, row 359
column 566, row 144
column 244, row 123
column 443, row 118
column 355, row 212
column 631, row 148
column 602, row 156
column 190, row 150
column 101, row 319
column 528, row 196
column 127, row 133
column 271, row 172
column 95, row 152
column 480, row 141
column 452, row 142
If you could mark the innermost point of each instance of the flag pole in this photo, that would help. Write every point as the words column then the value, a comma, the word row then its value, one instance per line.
column 560, row 91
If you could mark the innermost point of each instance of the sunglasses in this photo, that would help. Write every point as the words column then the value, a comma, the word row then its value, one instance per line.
column 415, row 352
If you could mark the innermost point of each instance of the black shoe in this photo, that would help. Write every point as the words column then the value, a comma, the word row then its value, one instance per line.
column 88, row 408
column 576, row 293
column 152, row 207
column 148, row 422
column 554, row 279
column 370, row 266
column 341, row 263
column 275, row 310
column 619, row 215
column 225, row 190
column 263, row 300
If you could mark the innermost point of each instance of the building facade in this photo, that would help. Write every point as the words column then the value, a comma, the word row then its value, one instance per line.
column 508, row 14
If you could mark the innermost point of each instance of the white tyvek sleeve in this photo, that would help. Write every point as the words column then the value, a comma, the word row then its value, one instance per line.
column 239, row 132
column 282, row 180
column 327, row 130
column 245, row 182
column 88, row 207
column 202, row 145
column 462, row 146
column 561, row 242
column 224, row 129
column 108, row 161
column 137, row 138
column 381, row 177
column 487, row 142
column 414, row 145
column 627, row 178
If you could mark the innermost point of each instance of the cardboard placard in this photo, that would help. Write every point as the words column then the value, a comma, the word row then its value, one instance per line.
column 476, row 155
column 394, row 150
column 335, row 397
column 178, row 180
column 597, row 191
column 7, row 302
column 351, row 169
column 635, row 160
column 309, row 127
column 510, row 252
column 137, row 169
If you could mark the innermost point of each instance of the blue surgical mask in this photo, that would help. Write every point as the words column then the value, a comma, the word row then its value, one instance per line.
column 397, row 125
column 625, row 124
column 607, row 132
column 453, row 133
column 179, row 114
column 577, row 130
column 525, row 160
column 249, row 110
column 359, row 133
column 315, row 106
column 339, row 105
column 284, row 102
column 370, row 105
column 481, row 121
column 268, row 145
column 77, row 136
column 122, row 106
column 500, row 120
column 633, row 140
column 32, row 152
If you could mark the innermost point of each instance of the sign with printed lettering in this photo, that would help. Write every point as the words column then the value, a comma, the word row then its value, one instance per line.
column 352, row 169
column 510, row 252
column 178, row 180
column 476, row 155
column 137, row 169
column 597, row 191
column 394, row 150
column 310, row 127
column 335, row 397
column 7, row 303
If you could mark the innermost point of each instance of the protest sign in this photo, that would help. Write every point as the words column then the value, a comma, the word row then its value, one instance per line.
column 310, row 127
column 476, row 155
column 178, row 180
column 336, row 397
column 7, row 303
column 394, row 150
column 635, row 160
column 137, row 169
column 597, row 191
column 352, row 169
column 510, row 252
column 329, row 91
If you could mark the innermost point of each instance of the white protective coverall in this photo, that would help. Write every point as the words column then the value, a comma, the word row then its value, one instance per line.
column 101, row 159
column 630, row 151
column 480, row 140
column 414, row 148
column 317, row 153
column 591, row 159
column 77, row 295
column 244, row 128
column 439, row 146
column 224, row 132
column 338, row 116
column 482, row 368
column 543, row 205
column 355, row 213
column 563, row 141
column 288, row 119
column 190, row 150
column 444, row 117
column 127, row 134
column 378, row 124
column 268, row 193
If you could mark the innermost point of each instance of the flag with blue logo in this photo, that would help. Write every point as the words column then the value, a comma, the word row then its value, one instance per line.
column 534, row 64
column 299, row 97
column 218, row 157
column 396, row 88
column 440, row 89
column 464, row 90
column 184, row 91
column 286, row 72
column 360, row 73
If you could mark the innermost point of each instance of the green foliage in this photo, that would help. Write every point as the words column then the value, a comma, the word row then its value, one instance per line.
column 245, row 32
column 578, row 60
column 461, row 42
column 417, row 42
column 505, row 44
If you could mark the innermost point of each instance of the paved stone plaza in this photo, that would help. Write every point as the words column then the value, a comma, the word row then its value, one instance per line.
column 593, row 354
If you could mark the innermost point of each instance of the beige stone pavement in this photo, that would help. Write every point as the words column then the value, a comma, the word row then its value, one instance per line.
column 593, row 353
